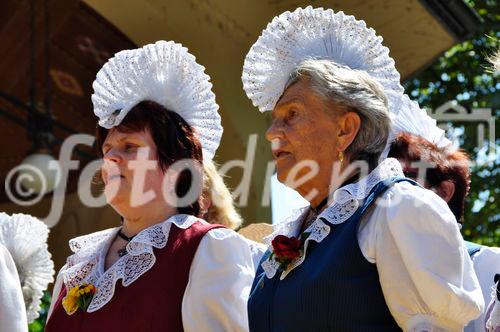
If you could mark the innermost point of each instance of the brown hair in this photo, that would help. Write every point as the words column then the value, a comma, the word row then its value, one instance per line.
column 448, row 165
column 175, row 140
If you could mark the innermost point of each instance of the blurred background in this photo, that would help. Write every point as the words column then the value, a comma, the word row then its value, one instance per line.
column 52, row 49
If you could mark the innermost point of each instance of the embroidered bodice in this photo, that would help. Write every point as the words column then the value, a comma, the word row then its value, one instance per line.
column 86, row 265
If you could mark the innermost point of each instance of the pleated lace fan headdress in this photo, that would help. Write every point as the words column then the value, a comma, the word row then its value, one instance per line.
column 25, row 237
column 317, row 33
column 166, row 73
column 314, row 33
column 415, row 120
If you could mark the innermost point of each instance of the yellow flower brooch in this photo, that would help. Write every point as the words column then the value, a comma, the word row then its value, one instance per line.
column 78, row 297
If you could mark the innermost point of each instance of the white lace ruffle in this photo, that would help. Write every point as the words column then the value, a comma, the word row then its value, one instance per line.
column 345, row 204
column 164, row 72
column 314, row 33
column 87, row 264
column 25, row 237
column 414, row 120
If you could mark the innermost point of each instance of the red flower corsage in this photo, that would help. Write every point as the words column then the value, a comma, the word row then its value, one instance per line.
column 286, row 249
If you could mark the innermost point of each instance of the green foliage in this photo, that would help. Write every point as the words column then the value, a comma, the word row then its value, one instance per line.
column 38, row 325
column 464, row 74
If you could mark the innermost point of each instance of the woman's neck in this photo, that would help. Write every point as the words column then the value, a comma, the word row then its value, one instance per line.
column 133, row 225
column 321, row 200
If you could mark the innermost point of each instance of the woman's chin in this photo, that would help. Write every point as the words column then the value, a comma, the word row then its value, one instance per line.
column 116, row 198
column 121, row 207
column 282, row 172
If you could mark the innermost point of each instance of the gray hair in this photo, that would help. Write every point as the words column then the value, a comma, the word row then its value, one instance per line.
column 357, row 91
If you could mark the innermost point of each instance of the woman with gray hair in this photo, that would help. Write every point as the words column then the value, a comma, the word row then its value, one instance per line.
column 374, row 251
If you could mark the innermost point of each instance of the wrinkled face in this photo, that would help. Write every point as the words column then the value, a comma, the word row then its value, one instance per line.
column 304, row 127
column 130, row 169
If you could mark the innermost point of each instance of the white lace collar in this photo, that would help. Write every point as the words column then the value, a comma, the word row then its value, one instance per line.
column 86, row 265
column 345, row 203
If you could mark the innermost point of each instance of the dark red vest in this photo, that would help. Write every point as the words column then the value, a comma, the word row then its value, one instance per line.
column 152, row 302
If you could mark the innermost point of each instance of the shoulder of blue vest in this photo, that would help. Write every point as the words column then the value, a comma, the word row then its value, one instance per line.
column 472, row 248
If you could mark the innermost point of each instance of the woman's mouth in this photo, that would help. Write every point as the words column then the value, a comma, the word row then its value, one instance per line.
column 277, row 154
column 114, row 177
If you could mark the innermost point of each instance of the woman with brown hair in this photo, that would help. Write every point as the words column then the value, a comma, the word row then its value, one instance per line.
column 164, row 269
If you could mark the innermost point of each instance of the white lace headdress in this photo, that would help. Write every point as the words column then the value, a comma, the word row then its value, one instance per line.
column 166, row 73
column 314, row 33
column 317, row 33
column 415, row 120
column 25, row 237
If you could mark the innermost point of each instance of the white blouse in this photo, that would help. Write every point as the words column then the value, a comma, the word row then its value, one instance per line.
column 424, row 269
column 486, row 264
column 219, row 282
column 257, row 249
column 12, row 308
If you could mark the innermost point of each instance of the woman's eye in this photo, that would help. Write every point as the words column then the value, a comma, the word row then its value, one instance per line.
column 291, row 115
column 130, row 147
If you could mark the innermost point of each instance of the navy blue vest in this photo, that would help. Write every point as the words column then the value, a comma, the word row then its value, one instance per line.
column 472, row 248
column 334, row 289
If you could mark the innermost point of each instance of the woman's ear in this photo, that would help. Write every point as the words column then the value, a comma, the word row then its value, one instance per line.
column 170, row 181
column 445, row 190
column 349, row 124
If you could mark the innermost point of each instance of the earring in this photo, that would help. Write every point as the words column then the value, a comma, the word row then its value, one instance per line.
column 341, row 156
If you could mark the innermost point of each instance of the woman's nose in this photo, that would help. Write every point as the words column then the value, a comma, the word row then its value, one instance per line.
column 274, row 132
column 113, row 155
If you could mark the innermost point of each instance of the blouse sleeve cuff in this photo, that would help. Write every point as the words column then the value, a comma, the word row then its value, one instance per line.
column 428, row 323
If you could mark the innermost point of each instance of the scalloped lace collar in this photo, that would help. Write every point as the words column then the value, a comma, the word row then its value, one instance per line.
column 345, row 203
column 86, row 265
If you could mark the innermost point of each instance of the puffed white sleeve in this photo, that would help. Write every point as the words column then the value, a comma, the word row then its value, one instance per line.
column 486, row 264
column 12, row 309
column 219, row 284
column 425, row 271
column 56, row 291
